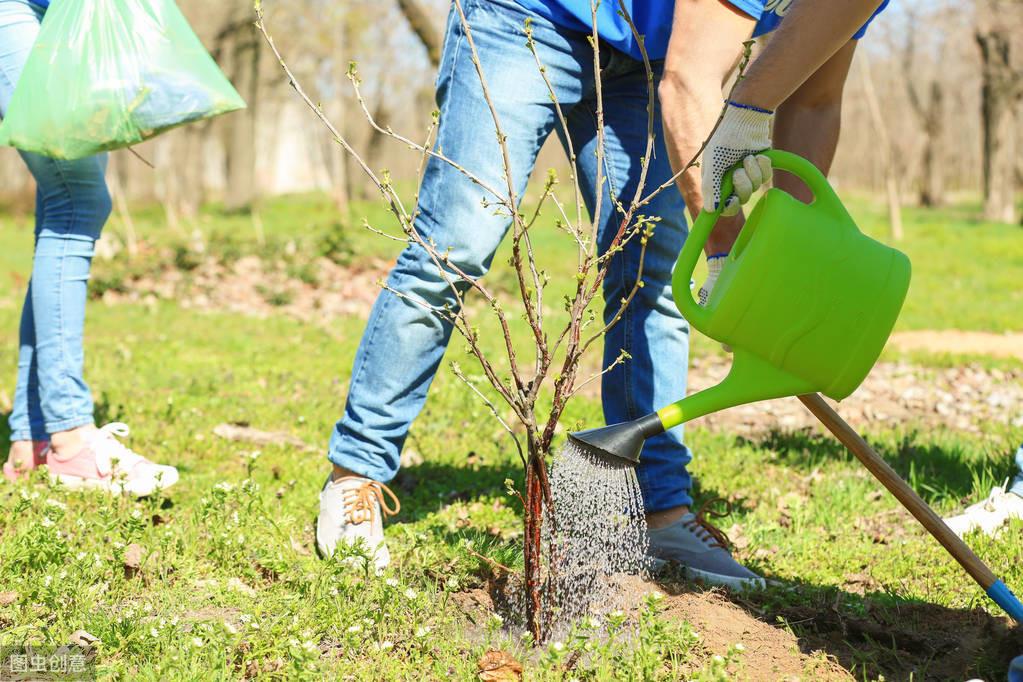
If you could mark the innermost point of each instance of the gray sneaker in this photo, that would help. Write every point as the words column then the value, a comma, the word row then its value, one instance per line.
column 702, row 551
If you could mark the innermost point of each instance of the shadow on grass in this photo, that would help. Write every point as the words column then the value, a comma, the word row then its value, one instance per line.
column 936, row 471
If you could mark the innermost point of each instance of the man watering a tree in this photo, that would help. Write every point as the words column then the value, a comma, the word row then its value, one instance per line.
column 693, row 46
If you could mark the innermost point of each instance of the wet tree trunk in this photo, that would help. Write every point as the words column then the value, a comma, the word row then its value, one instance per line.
column 536, row 505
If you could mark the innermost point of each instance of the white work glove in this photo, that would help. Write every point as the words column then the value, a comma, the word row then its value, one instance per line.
column 743, row 131
column 714, row 265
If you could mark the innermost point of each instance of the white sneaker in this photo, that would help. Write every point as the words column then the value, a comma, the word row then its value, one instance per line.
column 990, row 515
column 351, row 511
column 105, row 463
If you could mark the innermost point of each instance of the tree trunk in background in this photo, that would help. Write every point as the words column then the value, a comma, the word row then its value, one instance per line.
column 888, row 159
column 337, row 159
column 1000, row 91
column 422, row 25
column 246, row 48
column 931, row 117
column 932, row 189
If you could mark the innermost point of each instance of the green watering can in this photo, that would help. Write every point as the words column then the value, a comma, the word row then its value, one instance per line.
column 805, row 300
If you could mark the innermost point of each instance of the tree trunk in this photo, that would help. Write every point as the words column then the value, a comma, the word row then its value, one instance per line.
column 240, row 146
column 537, row 500
column 885, row 149
column 419, row 20
column 932, row 186
column 1000, row 90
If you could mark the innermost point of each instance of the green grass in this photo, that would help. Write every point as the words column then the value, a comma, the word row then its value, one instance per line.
column 229, row 585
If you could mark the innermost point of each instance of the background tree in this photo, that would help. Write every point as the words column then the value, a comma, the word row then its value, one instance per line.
column 997, row 36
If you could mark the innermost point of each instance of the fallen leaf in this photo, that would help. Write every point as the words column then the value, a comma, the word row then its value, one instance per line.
column 737, row 537
column 499, row 666
column 247, row 434
column 132, row 560
column 83, row 639
column 8, row 598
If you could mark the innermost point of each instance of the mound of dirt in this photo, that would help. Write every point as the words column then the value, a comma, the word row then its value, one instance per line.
column 770, row 652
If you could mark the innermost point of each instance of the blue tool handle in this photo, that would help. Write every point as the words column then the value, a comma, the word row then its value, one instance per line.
column 1003, row 596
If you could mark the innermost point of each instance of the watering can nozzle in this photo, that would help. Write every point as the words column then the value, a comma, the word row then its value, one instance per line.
column 619, row 444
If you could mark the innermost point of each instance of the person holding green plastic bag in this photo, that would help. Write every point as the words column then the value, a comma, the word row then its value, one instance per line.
column 98, row 75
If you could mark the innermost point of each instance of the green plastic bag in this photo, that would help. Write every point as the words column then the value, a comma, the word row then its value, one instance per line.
column 105, row 74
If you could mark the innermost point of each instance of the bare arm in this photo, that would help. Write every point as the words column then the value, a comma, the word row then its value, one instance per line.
column 706, row 42
column 810, row 35
column 809, row 121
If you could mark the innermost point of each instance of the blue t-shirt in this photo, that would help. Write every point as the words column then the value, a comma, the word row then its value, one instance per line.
column 652, row 18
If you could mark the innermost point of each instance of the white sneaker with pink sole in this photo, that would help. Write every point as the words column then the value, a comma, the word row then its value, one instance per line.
column 105, row 463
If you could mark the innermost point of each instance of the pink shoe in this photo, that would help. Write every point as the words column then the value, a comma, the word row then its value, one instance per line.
column 40, row 448
column 106, row 464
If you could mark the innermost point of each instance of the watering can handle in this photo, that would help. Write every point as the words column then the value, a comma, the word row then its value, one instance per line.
column 697, row 315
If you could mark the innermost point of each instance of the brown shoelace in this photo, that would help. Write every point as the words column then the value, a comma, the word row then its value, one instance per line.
column 359, row 501
column 704, row 529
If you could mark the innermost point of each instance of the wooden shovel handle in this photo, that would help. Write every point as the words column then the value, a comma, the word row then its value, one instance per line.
column 900, row 489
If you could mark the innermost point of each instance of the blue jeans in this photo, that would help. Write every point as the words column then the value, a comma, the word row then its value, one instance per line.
column 403, row 344
column 72, row 204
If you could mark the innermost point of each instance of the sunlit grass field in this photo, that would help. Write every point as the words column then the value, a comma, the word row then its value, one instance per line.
column 229, row 585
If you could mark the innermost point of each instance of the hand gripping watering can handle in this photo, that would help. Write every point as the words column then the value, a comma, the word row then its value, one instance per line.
column 697, row 315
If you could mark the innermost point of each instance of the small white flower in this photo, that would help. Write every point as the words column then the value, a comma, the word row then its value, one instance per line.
column 558, row 646
column 593, row 622
column 47, row 580
column 55, row 503
column 423, row 631
column 384, row 645
column 739, row 647
column 234, row 517
column 245, row 617
column 410, row 593
column 136, row 514
column 718, row 658
column 254, row 455
column 655, row 596
column 354, row 628
column 254, row 626
column 224, row 486
column 333, row 591
column 81, row 555
column 310, row 646
column 197, row 642
column 153, row 633
column 618, row 613
column 230, row 628
column 496, row 619
column 391, row 582
column 47, row 522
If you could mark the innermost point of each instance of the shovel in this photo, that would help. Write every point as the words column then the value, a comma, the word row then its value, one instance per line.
column 807, row 302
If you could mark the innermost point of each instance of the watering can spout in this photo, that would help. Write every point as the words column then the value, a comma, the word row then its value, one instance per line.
column 751, row 379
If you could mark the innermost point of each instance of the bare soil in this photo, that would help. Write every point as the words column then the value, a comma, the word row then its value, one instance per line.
column 957, row 342
column 965, row 398
column 907, row 641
